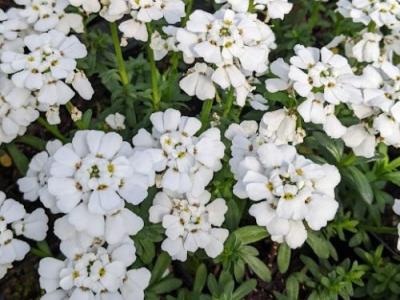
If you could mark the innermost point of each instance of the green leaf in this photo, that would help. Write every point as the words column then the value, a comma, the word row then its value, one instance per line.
column 200, row 279
column 258, row 267
column 244, row 289
column 284, row 255
column 251, row 234
column 319, row 245
column 84, row 123
column 166, row 286
column 19, row 159
column 292, row 287
column 393, row 177
column 161, row 265
column 359, row 182
column 32, row 141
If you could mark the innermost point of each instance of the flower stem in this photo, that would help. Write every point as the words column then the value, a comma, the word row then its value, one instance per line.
column 118, row 54
column 154, row 71
column 228, row 103
column 52, row 129
column 205, row 113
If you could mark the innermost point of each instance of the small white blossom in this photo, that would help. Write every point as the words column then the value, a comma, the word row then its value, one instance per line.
column 17, row 110
column 101, row 170
column 50, row 14
column 191, row 222
column 294, row 190
column 185, row 162
column 198, row 82
column 16, row 222
column 116, row 121
column 34, row 184
column 98, row 272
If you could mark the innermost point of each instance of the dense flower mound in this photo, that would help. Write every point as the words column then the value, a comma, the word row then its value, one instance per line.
column 46, row 15
column 229, row 41
column 16, row 223
column 294, row 188
column 191, row 222
column 222, row 135
column 184, row 162
column 99, row 271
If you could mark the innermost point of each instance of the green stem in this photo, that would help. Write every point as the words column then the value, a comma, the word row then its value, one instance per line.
column 118, row 54
column 205, row 114
column 228, row 103
column 154, row 72
column 52, row 129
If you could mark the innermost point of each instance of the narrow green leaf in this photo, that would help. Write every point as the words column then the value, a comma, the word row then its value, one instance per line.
column 166, row 286
column 318, row 244
column 244, row 289
column 200, row 279
column 19, row 159
column 359, row 182
column 258, row 267
column 292, row 288
column 161, row 265
column 284, row 255
column 251, row 234
column 32, row 141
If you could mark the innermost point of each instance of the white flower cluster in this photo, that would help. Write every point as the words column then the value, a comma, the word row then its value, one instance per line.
column 276, row 9
column 381, row 12
column 235, row 45
column 291, row 188
column 326, row 80
column 15, row 222
column 37, row 64
column 185, row 165
column 92, row 179
column 184, row 162
column 277, row 127
column 191, row 222
column 97, row 272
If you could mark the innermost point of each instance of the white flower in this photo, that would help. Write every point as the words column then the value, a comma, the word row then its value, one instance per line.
column 281, row 69
column 134, row 28
column 361, row 139
column 51, row 58
column 12, row 30
column 384, row 12
column 368, row 48
column 191, row 222
column 34, row 184
column 98, row 272
column 294, row 189
column 258, row 102
column 17, row 110
column 101, row 170
column 396, row 209
column 46, row 15
column 313, row 69
column 116, row 121
column 14, row 222
column 185, row 162
column 280, row 126
column 277, row 9
column 161, row 46
column 81, row 84
column 198, row 82
column 89, row 6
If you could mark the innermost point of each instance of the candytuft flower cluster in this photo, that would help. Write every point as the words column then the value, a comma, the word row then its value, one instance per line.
column 220, row 136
